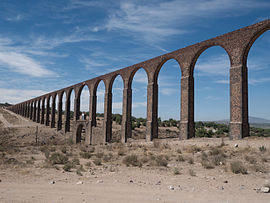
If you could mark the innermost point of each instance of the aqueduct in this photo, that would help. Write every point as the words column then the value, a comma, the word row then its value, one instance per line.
column 237, row 45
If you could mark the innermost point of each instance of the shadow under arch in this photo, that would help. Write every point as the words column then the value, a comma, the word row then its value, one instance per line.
column 169, row 85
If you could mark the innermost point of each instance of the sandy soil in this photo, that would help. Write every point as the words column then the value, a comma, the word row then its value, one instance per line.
column 31, row 180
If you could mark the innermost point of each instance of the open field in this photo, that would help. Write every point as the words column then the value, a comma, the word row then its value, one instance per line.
column 165, row 170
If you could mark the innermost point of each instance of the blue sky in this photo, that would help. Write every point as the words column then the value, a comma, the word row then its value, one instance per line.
column 48, row 45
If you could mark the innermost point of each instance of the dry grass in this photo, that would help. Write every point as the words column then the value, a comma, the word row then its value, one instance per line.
column 238, row 167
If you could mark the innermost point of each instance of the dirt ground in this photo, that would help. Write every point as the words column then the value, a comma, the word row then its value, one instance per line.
column 167, row 170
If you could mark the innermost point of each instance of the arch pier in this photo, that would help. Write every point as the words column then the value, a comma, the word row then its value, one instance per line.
column 237, row 45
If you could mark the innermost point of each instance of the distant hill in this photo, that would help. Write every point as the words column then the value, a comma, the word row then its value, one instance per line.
column 5, row 104
column 254, row 120
column 258, row 120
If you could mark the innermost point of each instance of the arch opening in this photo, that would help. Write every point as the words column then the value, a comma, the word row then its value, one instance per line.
column 212, row 93
column 84, row 103
column 97, row 130
column 139, row 84
column 117, row 103
column 258, row 65
column 80, row 134
column 169, row 99
column 71, row 115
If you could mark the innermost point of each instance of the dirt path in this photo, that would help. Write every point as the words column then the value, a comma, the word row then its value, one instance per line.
column 5, row 122
column 22, row 122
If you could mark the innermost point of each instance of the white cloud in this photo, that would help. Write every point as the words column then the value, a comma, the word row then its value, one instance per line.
column 139, row 104
column 14, row 96
column 254, row 81
column 216, row 65
column 168, row 91
column 140, row 77
column 21, row 63
column 251, row 81
column 15, row 18
column 46, row 42
column 157, row 20
column 222, row 81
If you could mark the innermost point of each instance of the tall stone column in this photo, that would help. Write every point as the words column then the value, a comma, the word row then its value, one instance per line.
column 31, row 111
column 38, row 112
column 152, row 111
column 67, row 115
column 187, row 129
column 24, row 110
column 59, row 114
column 126, row 129
column 53, row 113
column 77, row 108
column 92, row 116
column 28, row 110
column 239, row 125
column 47, row 121
column 107, row 126
column 34, row 111
column 42, row 111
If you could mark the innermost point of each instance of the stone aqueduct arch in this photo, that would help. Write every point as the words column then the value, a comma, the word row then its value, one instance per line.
column 237, row 45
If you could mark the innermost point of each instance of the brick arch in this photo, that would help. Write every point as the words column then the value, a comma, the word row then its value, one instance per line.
column 158, row 68
column 80, row 88
column 68, row 92
column 60, row 95
column 203, row 49
column 132, row 74
column 252, row 40
column 97, row 82
column 111, row 81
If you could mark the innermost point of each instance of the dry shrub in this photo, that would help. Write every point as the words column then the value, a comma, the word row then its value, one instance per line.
column 57, row 158
column 218, row 159
column 76, row 161
column 97, row 161
column 132, row 160
column 238, row 167
column 63, row 149
column 176, row 171
column 121, row 152
column 260, row 168
column 88, row 164
column 206, row 163
column 190, row 160
column 192, row 149
column 68, row 166
column 156, row 143
column 251, row 159
column 191, row 172
column 179, row 151
column 99, row 155
column 107, row 157
column 86, row 155
column 161, row 160
column 180, row 158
